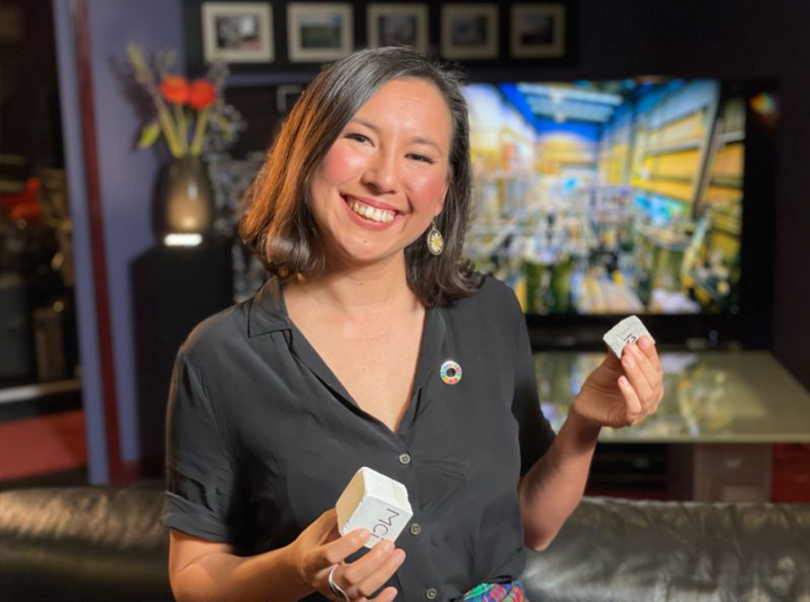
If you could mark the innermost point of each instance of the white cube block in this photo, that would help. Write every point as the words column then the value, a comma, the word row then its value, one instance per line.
column 376, row 502
column 627, row 331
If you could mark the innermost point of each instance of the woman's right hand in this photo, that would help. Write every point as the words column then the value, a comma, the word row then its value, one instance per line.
column 320, row 547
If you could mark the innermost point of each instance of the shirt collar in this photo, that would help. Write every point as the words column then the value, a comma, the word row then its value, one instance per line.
column 267, row 312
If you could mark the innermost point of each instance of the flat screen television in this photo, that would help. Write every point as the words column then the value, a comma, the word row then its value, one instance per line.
column 652, row 196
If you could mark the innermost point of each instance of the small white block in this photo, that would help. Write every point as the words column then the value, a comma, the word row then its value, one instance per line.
column 376, row 502
column 627, row 331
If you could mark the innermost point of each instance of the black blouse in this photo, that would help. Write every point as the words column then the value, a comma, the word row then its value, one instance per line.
column 263, row 438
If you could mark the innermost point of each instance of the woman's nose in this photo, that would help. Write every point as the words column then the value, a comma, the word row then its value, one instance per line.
column 381, row 172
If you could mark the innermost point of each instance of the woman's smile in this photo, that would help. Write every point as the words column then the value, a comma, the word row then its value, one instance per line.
column 369, row 218
column 371, row 210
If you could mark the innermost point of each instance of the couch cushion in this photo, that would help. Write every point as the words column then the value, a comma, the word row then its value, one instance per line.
column 86, row 544
column 83, row 544
column 613, row 550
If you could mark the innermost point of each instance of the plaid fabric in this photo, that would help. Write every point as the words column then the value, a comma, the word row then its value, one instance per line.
column 493, row 592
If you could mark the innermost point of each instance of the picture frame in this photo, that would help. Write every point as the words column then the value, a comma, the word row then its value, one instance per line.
column 286, row 97
column 469, row 31
column 319, row 32
column 537, row 31
column 237, row 32
column 390, row 24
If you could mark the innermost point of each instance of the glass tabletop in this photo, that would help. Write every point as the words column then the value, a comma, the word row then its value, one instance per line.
column 712, row 396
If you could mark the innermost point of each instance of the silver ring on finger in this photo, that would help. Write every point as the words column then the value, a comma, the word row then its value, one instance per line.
column 336, row 589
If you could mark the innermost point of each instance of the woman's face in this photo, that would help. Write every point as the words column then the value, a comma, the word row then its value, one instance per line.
column 386, row 175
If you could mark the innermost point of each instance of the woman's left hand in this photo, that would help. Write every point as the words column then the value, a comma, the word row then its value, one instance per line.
column 622, row 392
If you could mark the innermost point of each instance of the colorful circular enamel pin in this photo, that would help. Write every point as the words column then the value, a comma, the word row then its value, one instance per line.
column 450, row 372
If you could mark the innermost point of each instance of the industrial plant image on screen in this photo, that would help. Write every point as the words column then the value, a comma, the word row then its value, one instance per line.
column 609, row 197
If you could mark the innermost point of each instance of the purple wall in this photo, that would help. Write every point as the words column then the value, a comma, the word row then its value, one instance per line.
column 77, row 192
column 126, row 180
column 127, row 175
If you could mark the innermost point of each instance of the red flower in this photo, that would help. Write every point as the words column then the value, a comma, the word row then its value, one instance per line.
column 175, row 89
column 202, row 94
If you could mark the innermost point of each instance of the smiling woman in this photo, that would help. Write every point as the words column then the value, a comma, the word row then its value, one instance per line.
column 373, row 345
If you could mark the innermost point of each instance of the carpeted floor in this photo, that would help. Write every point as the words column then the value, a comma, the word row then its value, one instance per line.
column 42, row 445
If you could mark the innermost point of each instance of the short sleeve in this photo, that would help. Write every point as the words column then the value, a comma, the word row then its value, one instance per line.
column 201, row 484
column 536, row 434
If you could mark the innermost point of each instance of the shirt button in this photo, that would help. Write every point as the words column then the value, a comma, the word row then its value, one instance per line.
column 405, row 459
column 431, row 593
column 416, row 529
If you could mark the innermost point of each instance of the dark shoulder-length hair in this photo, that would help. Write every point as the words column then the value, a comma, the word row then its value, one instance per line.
column 279, row 223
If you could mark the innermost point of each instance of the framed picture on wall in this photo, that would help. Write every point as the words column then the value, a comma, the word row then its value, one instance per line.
column 319, row 32
column 398, row 25
column 538, row 30
column 469, row 31
column 237, row 32
column 286, row 97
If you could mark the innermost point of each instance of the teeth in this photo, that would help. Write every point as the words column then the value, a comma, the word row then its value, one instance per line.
column 377, row 215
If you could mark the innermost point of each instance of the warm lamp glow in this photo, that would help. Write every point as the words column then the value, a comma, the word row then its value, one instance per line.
column 182, row 240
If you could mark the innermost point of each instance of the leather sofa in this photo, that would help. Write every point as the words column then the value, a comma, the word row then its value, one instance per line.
column 90, row 544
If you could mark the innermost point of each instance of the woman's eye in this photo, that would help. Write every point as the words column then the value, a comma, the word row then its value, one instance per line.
column 358, row 137
column 424, row 158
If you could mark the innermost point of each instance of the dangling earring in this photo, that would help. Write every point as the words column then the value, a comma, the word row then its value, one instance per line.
column 435, row 240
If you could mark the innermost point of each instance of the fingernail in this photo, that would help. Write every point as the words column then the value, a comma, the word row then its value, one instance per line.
column 644, row 342
column 364, row 534
column 624, row 381
column 387, row 546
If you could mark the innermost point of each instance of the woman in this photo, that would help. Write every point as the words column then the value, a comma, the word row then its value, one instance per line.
column 373, row 344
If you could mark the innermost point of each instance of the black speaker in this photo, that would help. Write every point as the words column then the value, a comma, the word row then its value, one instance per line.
column 16, row 352
column 174, row 289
